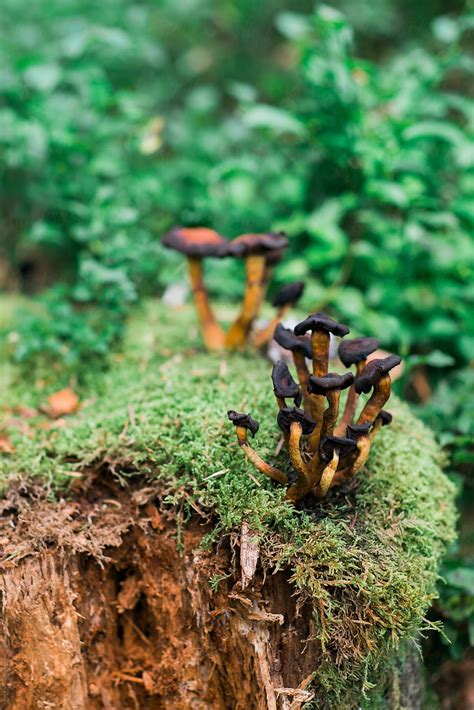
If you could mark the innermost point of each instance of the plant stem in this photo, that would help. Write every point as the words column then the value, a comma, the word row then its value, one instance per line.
column 254, row 294
column 212, row 332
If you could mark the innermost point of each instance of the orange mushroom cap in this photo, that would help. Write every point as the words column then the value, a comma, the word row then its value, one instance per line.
column 196, row 242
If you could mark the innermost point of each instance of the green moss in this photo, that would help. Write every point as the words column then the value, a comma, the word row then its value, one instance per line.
column 369, row 566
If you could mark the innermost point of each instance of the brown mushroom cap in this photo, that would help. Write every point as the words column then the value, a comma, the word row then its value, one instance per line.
column 353, row 351
column 385, row 416
column 196, row 242
column 288, row 340
column 374, row 371
column 243, row 420
column 320, row 321
column 288, row 415
column 283, row 383
column 331, row 381
column 355, row 431
column 253, row 244
column 289, row 294
column 330, row 444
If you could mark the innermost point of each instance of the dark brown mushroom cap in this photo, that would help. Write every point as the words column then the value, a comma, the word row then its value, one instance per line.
column 289, row 294
column 243, row 420
column 288, row 415
column 196, row 242
column 357, row 349
column 329, row 382
column 330, row 444
column 283, row 383
column 385, row 416
column 288, row 340
column 248, row 244
column 355, row 431
column 374, row 371
column 320, row 321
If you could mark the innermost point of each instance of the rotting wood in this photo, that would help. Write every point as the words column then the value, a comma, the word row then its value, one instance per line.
column 126, row 621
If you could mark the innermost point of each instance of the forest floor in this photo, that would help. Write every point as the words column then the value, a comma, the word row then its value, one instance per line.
column 94, row 469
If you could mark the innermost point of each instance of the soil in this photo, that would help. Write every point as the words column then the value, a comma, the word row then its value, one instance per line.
column 108, row 603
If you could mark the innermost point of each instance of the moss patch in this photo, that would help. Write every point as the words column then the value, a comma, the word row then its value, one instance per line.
column 367, row 557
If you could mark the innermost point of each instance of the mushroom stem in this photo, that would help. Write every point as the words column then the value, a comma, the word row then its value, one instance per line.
column 320, row 344
column 257, row 461
column 351, row 403
column 363, row 449
column 211, row 330
column 254, row 293
column 331, row 413
column 264, row 335
column 377, row 400
column 303, row 484
column 327, row 476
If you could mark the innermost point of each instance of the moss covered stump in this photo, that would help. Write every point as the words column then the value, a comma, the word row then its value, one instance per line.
column 145, row 564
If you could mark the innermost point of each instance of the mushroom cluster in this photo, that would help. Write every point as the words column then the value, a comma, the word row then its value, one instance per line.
column 260, row 252
column 322, row 451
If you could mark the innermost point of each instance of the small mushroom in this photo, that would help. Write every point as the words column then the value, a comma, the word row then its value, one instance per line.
column 354, row 352
column 294, row 424
column 243, row 423
column 300, row 348
column 256, row 249
column 377, row 375
column 320, row 326
column 284, row 386
column 330, row 386
column 197, row 243
column 332, row 450
column 383, row 418
column 286, row 297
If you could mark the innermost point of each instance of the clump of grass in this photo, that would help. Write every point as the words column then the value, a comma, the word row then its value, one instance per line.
column 366, row 558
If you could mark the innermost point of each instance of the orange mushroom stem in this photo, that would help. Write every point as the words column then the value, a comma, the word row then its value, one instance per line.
column 213, row 334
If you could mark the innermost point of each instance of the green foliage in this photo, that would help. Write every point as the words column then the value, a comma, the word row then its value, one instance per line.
column 366, row 559
column 112, row 129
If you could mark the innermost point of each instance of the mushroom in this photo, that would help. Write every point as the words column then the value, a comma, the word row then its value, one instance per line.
column 256, row 249
column 320, row 326
column 294, row 424
column 332, row 450
column 301, row 350
column 330, row 386
column 197, row 243
column 377, row 375
column 243, row 423
column 354, row 352
column 383, row 419
column 284, row 385
column 286, row 297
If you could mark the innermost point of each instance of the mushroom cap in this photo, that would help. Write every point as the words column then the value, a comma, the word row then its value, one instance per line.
column 288, row 340
column 329, row 382
column 289, row 294
column 196, row 241
column 320, row 321
column 374, row 371
column 243, row 420
column 266, row 243
column 385, row 416
column 288, row 415
column 353, row 351
column 283, row 383
column 355, row 431
column 336, row 443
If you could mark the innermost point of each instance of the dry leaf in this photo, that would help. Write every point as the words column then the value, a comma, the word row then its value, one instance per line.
column 6, row 446
column 63, row 402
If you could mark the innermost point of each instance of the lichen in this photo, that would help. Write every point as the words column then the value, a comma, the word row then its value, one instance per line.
column 366, row 558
